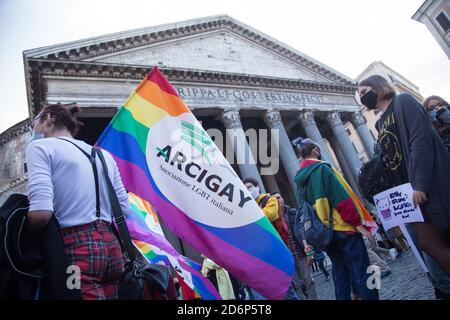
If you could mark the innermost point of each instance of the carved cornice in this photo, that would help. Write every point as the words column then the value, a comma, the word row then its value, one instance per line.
column 42, row 67
column 111, row 46
column 306, row 118
column 231, row 119
column 273, row 119
column 357, row 119
column 334, row 119
column 14, row 132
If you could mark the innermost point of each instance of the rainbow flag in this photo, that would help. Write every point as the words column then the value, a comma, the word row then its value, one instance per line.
column 144, row 225
column 366, row 218
column 165, row 157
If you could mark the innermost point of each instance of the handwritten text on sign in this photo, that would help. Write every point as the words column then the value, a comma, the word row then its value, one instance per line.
column 395, row 206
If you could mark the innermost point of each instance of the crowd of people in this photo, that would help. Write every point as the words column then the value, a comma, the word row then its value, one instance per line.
column 413, row 141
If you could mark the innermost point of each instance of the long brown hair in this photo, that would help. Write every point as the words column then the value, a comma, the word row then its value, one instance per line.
column 64, row 116
column 380, row 85
column 427, row 101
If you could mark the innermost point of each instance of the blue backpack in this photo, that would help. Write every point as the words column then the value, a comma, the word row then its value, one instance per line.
column 309, row 227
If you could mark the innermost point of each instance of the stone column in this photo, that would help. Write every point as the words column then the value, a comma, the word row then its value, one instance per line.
column 308, row 123
column 270, row 183
column 342, row 138
column 245, row 160
column 359, row 122
column 285, row 150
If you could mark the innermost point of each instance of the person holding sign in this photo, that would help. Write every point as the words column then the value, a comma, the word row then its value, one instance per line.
column 413, row 153
column 327, row 191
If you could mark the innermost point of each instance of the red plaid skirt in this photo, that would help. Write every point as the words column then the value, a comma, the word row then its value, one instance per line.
column 96, row 251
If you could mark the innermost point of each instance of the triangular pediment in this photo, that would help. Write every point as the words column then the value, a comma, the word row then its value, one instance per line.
column 218, row 43
column 220, row 51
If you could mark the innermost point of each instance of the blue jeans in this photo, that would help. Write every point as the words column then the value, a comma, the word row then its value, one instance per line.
column 350, row 261
column 290, row 294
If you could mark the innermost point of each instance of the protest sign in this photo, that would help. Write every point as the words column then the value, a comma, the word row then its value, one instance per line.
column 395, row 208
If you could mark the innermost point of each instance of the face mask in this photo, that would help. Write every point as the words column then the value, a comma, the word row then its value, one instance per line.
column 441, row 116
column 254, row 192
column 432, row 114
column 370, row 100
column 36, row 136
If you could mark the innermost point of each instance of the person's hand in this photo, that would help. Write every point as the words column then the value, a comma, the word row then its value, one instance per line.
column 365, row 233
column 308, row 248
column 310, row 260
column 419, row 198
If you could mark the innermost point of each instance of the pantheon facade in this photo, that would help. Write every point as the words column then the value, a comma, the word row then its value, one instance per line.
column 229, row 74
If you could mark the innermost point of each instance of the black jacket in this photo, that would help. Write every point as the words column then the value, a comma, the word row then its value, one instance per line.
column 426, row 158
column 32, row 266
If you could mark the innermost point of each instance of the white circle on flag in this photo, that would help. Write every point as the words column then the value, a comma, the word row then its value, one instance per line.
column 196, row 199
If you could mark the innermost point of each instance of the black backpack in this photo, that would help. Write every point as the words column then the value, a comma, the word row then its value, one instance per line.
column 374, row 177
column 32, row 266
column 21, row 265
column 309, row 227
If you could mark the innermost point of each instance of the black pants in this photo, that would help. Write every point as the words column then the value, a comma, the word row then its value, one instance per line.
column 321, row 264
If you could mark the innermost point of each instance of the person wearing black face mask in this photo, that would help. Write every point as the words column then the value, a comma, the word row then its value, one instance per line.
column 369, row 98
column 413, row 152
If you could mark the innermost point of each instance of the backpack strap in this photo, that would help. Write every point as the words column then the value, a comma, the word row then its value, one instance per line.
column 91, row 158
column 119, row 218
column 123, row 234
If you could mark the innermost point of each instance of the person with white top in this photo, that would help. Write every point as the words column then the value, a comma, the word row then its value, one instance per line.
column 61, row 183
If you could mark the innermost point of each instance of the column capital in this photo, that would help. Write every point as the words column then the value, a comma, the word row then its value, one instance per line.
column 273, row 118
column 231, row 118
column 357, row 119
column 334, row 119
column 306, row 118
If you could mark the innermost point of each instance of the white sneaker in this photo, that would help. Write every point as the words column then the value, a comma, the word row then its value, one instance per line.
column 393, row 253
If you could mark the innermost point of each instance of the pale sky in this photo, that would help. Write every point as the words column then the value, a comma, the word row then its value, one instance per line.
column 346, row 35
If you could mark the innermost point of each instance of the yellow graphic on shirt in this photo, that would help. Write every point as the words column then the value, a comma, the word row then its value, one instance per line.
column 390, row 148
